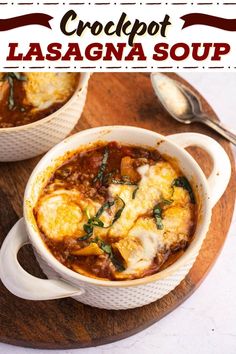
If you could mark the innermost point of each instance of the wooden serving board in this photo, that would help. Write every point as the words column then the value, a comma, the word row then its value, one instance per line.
column 126, row 99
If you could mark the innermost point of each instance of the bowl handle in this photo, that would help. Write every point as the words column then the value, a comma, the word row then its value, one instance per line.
column 220, row 175
column 21, row 283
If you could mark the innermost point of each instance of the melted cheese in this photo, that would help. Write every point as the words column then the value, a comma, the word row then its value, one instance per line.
column 149, row 240
column 155, row 183
column 44, row 89
column 62, row 214
column 177, row 223
column 141, row 239
column 125, row 192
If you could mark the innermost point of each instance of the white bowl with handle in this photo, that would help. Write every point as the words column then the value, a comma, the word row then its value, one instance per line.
column 63, row 282
column 26, row 141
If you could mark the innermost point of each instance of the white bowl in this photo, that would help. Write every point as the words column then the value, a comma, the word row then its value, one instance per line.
column 26, row 141
column 62, row 281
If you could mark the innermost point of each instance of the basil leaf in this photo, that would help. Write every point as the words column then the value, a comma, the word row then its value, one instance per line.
column 119, row 266
column 105, row 206
column 107, row 178
column 166, row 201
column 119, row 212
column 18, row 76
column 108, row 250
column 108, row 205
column 102, row 167
column 126, row 182
column 157, row 213
column 11, row 102
column 10, row 77
column 85, row 237
column 104, row 246
column 87, row 213
column 95, row 221
column 88, row 228
column 13, row 75
column 134, row 192
column 184, row 183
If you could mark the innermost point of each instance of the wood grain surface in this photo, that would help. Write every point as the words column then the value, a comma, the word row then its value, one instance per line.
column 126, row 99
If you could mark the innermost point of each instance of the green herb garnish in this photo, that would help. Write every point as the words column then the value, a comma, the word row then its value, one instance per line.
column 157, row 212
column 107, row 177
column 119, row 211
column 128, row 183
column 119, row 266
column 11, row 101
column 95, row 221
column 108, row 250
column 102, row 167
column 10, row 77
column 134, row 192
column 105, row 206
column 105, row 247
column 166, row 201
column 18, row 76
column 184, row 183
column 85, row 237
column 88, row 228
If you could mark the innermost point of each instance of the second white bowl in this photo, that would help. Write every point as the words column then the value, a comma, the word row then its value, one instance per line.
column 33, row 139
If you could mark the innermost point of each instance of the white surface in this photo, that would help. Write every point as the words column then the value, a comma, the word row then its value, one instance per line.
column 206, row 322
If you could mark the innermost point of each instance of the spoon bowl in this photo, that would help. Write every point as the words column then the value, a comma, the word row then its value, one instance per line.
column 183, row 105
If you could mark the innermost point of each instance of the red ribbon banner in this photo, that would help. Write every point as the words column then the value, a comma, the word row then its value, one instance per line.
column 208, row 20
column 25, row 20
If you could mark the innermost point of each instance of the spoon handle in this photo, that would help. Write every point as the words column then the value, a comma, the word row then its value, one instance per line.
column 219, row 128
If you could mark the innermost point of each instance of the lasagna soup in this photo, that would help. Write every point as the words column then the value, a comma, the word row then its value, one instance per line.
column 28, row 97
column 116, row 212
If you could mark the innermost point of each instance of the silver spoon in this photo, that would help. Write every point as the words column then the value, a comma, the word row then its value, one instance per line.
column 183, row 105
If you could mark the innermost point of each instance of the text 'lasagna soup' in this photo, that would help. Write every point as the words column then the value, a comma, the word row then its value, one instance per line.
column 117, row 212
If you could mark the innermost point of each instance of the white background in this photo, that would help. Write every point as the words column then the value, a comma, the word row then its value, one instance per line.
column 206, row 322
